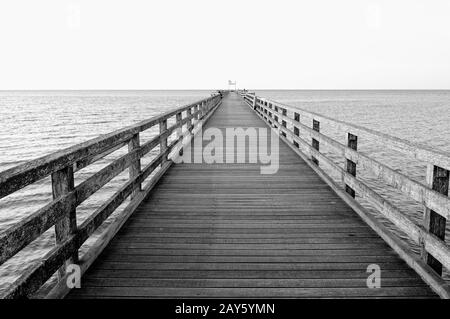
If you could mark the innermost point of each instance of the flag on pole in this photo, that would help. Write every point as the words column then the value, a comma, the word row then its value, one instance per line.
column 231, row 82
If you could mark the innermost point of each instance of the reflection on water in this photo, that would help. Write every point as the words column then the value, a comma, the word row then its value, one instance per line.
column 34, row 124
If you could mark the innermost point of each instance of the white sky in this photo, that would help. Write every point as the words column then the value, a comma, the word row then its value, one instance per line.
column 194, row 44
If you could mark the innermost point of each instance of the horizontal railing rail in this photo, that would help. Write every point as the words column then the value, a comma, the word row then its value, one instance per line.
column 433, row 196
column 61, row 212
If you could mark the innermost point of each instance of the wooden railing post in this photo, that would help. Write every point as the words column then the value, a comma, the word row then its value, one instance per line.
column 163, row 142
column 350, row 165
column 438, row 180
column 210, row 105
column 199, row 111
column 63, row 183
column 315, row 143
column 254, row 101
column 135, row 167
column 195, row 117
column 203, row 108
column 296, row 133
column 296, row 129
column 189, row 124
column 179, row 119
column 275, row 116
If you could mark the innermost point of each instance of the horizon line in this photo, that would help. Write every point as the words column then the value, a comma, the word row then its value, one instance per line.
column 256, row 89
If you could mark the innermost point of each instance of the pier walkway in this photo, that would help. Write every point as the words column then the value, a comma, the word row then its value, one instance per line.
column 225, row 230
column 191, row 229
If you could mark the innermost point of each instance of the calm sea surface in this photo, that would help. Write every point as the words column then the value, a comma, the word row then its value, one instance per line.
column 36, row 123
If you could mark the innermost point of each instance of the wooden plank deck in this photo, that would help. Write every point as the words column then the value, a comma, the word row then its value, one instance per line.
column 225, row 230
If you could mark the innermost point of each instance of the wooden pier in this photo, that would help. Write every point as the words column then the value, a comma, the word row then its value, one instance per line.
column 225, row 229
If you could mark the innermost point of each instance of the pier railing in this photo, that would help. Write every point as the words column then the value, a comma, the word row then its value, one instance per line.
column 61, row 212
column 306, row 141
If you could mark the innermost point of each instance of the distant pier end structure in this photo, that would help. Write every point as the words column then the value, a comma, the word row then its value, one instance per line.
column 225, row 230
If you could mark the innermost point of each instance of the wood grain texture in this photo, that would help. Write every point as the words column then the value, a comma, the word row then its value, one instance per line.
column 225, row 230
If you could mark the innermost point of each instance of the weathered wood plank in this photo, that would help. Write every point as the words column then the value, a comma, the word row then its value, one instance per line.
column 245, row 283
column 151, row 292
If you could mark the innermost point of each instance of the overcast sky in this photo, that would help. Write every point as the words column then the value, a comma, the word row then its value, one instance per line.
column 194, row 44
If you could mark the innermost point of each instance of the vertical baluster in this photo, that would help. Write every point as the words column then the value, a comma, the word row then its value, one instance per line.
column 202, row 108
column 195, row 109
column 296, row 129
column 352, row 142
column 269, row 114
column 194, row 118
column 163, row 141
column 135, row 167
column 438, row 180
column 211, row 104
column 315, row 143
column 199, row 110
column 275, row 116
column 254, row 101
column 62, row 184
column 207, row 106
column 179, row 119
column 189, row 124
column 296, row 133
